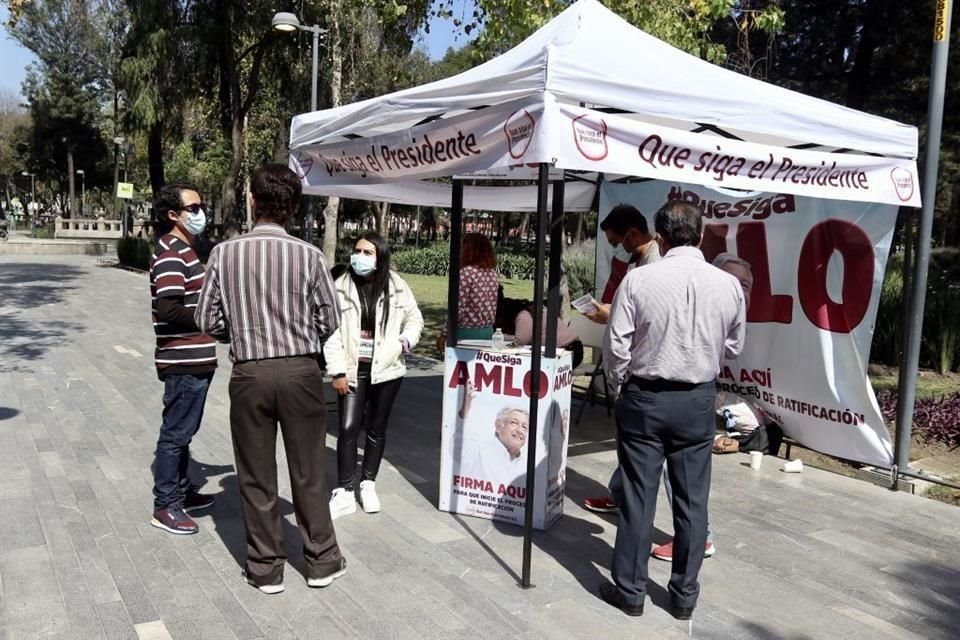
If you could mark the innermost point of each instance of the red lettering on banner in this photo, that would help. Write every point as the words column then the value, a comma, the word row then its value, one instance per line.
column 459, row 376
column 764, row 305
column 854, row 246
column 528, row 384
column 714, row 240
column 487, row 379
column 498, row 380
column 509, row 389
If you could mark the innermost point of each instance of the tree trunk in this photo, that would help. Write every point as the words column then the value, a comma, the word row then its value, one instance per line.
column 858, row 86
column 155, row 156
column 228, row 207
column 331, row 211
column 71, row 181
column 580, row 225
column 382, row 214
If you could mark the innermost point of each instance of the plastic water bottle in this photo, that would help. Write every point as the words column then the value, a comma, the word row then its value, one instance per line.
column 731, row 421
column 499, row 342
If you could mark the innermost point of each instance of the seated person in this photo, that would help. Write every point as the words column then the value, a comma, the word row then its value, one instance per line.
column 515, row 317
column 747, row 423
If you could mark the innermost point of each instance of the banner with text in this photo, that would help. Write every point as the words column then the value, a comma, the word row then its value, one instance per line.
column 502, row 136
column 818, row 269
column 486, row 424
column 593, row 141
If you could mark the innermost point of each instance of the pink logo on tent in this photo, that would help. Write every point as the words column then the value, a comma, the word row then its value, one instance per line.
column 304, row 164
column 519, row 131
column 590, row 136
column 903, row 183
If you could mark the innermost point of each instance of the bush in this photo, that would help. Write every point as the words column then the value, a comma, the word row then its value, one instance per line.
column 434, row 260
column 935, row 420
column 135, row 252
column 516, row 266
column 45, row 232
column 888, row 329
column 431, row 260
column 579, row 263
column 940, row 348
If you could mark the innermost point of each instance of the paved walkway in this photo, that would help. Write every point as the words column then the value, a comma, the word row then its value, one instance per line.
column 800, row 556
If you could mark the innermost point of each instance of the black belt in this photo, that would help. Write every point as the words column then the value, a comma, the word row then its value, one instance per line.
column 659, row 384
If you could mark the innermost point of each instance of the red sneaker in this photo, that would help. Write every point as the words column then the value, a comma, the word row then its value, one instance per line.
column 601, row 505
column 665, row 551
column 175, row 520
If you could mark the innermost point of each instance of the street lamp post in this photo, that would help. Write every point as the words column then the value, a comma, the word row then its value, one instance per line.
column 83, row 191
column 33, row 193
column 288, row 23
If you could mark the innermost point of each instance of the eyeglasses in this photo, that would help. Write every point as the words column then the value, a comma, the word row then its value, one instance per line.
column 194, row 208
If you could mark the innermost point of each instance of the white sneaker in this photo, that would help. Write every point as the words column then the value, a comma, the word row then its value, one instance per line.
column 342, row 503
column 368, row 496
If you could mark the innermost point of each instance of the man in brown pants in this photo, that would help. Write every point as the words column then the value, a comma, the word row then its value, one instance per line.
column 271, row 296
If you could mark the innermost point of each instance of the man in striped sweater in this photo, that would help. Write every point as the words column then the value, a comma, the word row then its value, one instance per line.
column 185, row 357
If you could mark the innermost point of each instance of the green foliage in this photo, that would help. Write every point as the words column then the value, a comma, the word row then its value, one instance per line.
column 686, row 25
column 433, row 260
column 888, row 329
column 134, row 252
column 941, row 328
column 579, row 264
column 940, row 346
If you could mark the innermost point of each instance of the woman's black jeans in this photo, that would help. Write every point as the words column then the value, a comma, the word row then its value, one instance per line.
column 375, row 401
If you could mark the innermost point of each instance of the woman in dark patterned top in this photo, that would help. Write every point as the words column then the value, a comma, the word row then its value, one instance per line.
column 478, row 290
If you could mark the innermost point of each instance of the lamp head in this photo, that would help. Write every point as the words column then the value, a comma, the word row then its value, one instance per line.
column 284, row 21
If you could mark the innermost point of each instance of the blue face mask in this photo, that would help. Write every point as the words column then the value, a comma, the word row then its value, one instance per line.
column 196, row 222
column 363, row 265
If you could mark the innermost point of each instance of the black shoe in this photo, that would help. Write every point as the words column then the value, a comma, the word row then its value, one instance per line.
column 270, row 589
column 194, row 501
column 612, row 596
column 682, row 613
column 326, row 581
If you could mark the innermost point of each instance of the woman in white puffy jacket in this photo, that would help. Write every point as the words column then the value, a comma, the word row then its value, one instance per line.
column 379, row 323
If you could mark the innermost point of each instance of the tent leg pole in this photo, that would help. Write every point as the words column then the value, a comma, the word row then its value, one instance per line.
column 553, row 277
column 453, row 277
column 535, row 363
column 907, row 388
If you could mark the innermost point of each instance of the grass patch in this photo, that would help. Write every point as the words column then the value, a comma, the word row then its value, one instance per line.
column 431, row 295
column 944, row 494
column 929, row 384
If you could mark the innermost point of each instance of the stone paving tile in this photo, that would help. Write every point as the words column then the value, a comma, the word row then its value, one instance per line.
column 801, row 557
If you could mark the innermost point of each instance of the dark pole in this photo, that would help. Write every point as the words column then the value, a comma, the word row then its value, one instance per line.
column 553, row 284
column 453, row 278
column 907, row 388
column 535, row 362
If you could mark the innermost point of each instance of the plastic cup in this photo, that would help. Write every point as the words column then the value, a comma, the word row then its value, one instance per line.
column 756, row 458
column 794, row 466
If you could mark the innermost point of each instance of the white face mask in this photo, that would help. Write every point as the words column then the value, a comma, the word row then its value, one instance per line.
column 621, row 254
column 363, row 265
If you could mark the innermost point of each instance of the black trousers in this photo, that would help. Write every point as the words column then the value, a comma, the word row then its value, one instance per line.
column 288, row 391
column 375, row 401
column 655, row 420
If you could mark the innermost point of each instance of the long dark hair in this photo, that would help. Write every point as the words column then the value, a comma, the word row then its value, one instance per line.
column 380, row 280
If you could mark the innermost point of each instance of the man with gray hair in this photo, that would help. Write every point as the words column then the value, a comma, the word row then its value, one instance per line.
column 499, row 458
column 671, row 325
column 739, row 269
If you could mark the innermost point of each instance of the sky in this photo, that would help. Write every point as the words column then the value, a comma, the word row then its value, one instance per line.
column 442, row 36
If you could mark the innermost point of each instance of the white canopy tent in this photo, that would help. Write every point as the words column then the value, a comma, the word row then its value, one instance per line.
column 654, row 111
column 589, row 92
